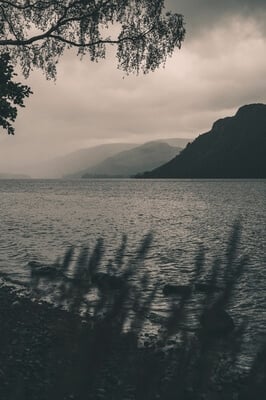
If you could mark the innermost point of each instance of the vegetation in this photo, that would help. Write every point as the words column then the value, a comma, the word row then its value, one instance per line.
column 12, row 94
column 107, row 354
column 36, row 34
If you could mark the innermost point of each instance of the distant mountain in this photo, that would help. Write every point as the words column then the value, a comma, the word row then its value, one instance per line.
column 235, row 147
column 176, row 142
column 78, row 160
column 14, row 176
column 130, row 162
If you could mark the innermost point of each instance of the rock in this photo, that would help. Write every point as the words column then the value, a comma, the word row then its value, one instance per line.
column 217, row 321
column 34, row 264
column 176, row 290
column 41, row 270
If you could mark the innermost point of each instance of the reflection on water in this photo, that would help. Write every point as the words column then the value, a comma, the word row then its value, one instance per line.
column 41, row 219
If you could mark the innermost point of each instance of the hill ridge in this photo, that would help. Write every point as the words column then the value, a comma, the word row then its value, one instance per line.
column 235, row 147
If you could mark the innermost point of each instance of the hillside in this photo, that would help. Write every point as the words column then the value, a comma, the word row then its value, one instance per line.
column 77, row 160
column 127, row 163
column 235, row 147
column 175, row 142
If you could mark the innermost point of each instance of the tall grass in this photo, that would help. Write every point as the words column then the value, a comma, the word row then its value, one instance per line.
column 112, row 356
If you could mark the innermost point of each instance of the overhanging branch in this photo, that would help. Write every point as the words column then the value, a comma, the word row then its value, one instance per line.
column 97, row 42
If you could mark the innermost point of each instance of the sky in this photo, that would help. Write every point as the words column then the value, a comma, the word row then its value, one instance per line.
column 220, row 67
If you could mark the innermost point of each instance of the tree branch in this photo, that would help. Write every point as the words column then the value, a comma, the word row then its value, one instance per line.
column 62, row 21
column 100, row 41
column 26, row 6
column 24, row 42
column 36, row 32
column 7, row 20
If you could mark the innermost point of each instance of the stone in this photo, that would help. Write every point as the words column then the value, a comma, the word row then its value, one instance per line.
column 42, row 270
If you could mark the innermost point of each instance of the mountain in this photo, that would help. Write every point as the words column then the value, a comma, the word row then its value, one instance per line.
column 175, row 142
column 77, row 160
column 14, row 176
column 235, row 147
column 129, row 162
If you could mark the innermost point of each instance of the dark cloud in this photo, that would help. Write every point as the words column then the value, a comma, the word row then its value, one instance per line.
column 220, row 67
column 204, row 15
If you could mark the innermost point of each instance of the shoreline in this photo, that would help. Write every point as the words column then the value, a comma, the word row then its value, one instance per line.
column 48, row 353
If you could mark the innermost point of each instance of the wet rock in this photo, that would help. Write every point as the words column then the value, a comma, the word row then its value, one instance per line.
column 42, row 270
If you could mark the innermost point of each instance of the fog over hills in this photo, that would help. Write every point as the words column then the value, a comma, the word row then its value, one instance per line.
column 77, row 160
column 176, row 142
column 235, row 147
column 130, row 162
column 14, row 176
column 72, row 164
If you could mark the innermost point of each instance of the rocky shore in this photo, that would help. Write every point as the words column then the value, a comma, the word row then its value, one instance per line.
column 48, row 353
column 31, row 343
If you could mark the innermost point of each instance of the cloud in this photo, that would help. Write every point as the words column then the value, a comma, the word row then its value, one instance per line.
column 206, row 15
column 217, row 70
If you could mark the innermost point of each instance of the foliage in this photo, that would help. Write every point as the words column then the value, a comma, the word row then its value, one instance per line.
column 97, row 358
column 36, row 32
column 12, row 94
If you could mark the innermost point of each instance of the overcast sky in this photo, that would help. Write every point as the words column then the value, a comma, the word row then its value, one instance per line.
column 221, row 66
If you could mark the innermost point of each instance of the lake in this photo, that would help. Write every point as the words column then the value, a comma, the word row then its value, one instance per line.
column 41, row 219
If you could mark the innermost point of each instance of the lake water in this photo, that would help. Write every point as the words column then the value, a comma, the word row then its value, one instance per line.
column 41, row 219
